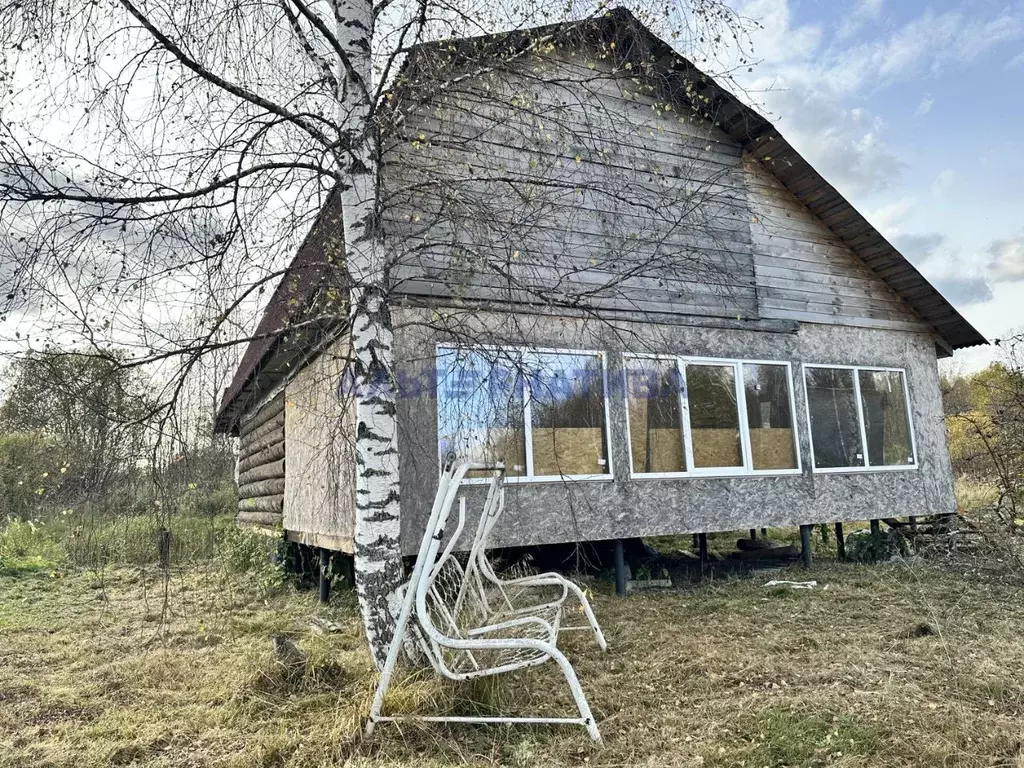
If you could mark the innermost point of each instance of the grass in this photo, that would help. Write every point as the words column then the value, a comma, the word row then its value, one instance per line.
column 123, row 667
column 974, row 494
column 93, row 539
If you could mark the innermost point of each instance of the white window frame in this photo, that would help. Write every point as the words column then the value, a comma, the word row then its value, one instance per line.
column 529, row 477
column 868, row 467
column 747, row 470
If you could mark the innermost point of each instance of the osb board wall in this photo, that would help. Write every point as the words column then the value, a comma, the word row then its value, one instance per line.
column 624, row 506
column 261, row 465
column 773, row 448
column 319, row 499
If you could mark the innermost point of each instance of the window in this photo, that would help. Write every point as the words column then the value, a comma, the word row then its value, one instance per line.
column 886, row 419
column 655, row 423
column 709, row 417
column 768, row 400
column 859, row 418
column 542, row 413
column 480, row 408
column 714, row 416
column 835, row 433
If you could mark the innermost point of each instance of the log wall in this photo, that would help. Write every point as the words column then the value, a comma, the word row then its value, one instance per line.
column 261, row 465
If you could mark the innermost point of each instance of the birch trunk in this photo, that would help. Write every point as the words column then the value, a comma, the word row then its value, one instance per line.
column 378, row 563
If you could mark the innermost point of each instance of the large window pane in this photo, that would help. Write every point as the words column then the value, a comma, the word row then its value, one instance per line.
column 835, row 432
column 766, row 390
column 655, row 428
column 714, row 416
column 886, row 423
column 567, row 415
column 480, row 408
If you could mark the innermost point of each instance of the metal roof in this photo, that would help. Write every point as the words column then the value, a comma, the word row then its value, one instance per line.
column 293, row 322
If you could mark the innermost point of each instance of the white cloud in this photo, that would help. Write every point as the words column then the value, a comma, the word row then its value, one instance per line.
column 963, row 279
column 813, row 86
column 943, row 182
column 886, row 219
column 960, row 280
column 1006, row 258
column 1017, row 62
column 864, row 13
column 925, row 46
column 960, row 290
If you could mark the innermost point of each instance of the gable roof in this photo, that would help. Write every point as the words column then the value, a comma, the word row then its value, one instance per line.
column 633, row 42
column 292, row 322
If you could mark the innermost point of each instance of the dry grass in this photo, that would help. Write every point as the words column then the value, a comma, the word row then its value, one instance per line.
column 892, row 665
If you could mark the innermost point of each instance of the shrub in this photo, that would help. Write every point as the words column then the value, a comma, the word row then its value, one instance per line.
column 866, row 547
column 31, row 546
column 247, row 550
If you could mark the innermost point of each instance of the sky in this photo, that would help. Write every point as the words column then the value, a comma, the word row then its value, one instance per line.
column 914, row 111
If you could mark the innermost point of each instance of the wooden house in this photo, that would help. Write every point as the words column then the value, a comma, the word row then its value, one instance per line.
column 614, row 275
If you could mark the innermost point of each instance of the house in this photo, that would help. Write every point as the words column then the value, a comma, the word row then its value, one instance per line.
column 610, row 273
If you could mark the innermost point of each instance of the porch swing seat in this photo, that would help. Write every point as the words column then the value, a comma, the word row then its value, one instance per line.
column 468, row 623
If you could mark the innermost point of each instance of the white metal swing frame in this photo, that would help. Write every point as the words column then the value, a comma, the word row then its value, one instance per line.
column 498, row 640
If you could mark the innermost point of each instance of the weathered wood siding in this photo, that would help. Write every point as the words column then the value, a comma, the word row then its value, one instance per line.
column 560, row 183
column 805, row 272
column 319, row 499
column 261, row 465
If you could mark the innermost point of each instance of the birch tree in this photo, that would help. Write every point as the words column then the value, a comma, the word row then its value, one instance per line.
column 160, row 161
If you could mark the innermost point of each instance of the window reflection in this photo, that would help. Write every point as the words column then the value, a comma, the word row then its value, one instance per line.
column 567, row 415
column 655, row 427
column 886, row 421
column 835, row 431
column 772, row 439
column 480, row 408
column 714, row 416
column 487, row 398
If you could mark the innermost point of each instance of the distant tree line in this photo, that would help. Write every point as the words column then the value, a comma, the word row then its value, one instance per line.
column 985, row 423
column 79, row 434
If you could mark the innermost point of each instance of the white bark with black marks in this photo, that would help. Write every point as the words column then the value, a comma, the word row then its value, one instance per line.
column 378, row 564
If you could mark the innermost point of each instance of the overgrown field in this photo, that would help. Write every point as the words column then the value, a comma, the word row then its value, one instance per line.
column 891, row 665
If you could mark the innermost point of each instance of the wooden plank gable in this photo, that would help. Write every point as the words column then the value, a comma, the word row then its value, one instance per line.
column 805, row 271
column 561, row 181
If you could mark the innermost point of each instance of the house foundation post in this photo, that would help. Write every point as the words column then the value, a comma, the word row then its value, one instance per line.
column 325, row 575
column 753, row 534
column 805, row 545
column 840, row 542
column 702, row 549
column 620, row 568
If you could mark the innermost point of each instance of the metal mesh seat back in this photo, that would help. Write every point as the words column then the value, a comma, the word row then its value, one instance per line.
column 456, row 616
